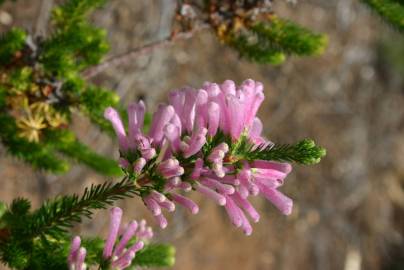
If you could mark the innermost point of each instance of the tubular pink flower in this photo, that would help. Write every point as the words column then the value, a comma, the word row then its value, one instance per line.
column 120, row 256
column 185, row 186
column 77, row 255
column 263, row 164
column 229, row 87
column 144, row 232
column 198, row 142
column 176, row 99
column 136, row 112
column 138, row 165
column 152, row 205
column 113, row 116
column 124, row 261
column 283, row 203
column 172, row 133
column 127, row 235
column 243, row 191
column 161, row 221
column 157, row 196
column 233, row 212
column 236, row 116
column 213, row 118
column 198, row 168
column 230, row 179
column 74, row 248
column 210, row 193
column 185, row 202
column 123, row 163
column 160, row 119
column 169, row 205
column 247, row 206
column 198, row 139
column 126, row 258
column 255, row 132
column 81, row 256
column 215, row 184
column 116, row 216
column 245, row 226
column 148, row 153
column 188, row 113
column 172, row 172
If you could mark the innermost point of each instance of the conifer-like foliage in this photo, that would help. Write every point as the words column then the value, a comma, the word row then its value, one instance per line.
column 252, row 28
column 41, row 87
column 392, row 11
column 39, row 240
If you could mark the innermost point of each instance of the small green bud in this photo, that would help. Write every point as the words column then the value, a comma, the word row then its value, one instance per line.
column 277, row 58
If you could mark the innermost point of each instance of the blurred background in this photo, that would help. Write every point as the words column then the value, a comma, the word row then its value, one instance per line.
column 349, row 209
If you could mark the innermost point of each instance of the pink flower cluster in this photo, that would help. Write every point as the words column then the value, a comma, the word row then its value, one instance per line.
column 191, row 145
column 119, row 255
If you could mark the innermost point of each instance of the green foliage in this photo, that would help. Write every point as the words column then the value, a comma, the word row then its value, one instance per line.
column 49, row 73
column 46, row 155
column 74, row 11
column 66, row 143
column 94, row 101
column 10, row 43
column 38, row 240
column 73, row 49
column 392, row 11
column 39, row 155
column 270, row 42
column 155, row 255
column 55, row 216
column 304, row 152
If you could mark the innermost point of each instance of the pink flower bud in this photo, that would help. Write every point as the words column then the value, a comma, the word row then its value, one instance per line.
column 185, row 202
column 152, row 205
column 218, row 198
column 113, row 116
column 115, row 215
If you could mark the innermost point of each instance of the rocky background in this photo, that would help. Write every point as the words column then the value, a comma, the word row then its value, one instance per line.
column 349, row 209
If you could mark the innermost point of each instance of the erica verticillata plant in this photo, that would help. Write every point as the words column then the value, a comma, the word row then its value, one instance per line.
column 115, row 255
column 208, row 140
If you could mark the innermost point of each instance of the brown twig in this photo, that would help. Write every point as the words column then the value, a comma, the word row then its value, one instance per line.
column 43, row 17
column 129, row 56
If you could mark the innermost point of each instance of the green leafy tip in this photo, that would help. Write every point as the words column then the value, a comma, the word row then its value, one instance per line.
column 392, row 11
column 304, row 152
column 270, row 42
column 155, row 255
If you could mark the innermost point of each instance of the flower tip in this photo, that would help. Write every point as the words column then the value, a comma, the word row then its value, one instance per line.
column 248, row 231
column 82, row 252
column 140, row 245
column 249, row 83
column 116, row 211
column 163, row 225
column 222, row 201
column 132, row 106
column 287, row 208
column 195, row 210
column 288, row 168
column 110, row 113
column 256, row 218
column 170, row 110
column 76, row 241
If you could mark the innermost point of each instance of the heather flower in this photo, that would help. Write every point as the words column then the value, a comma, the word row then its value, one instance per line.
column 116, row 250
column 200, row 141
column 77, row 255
